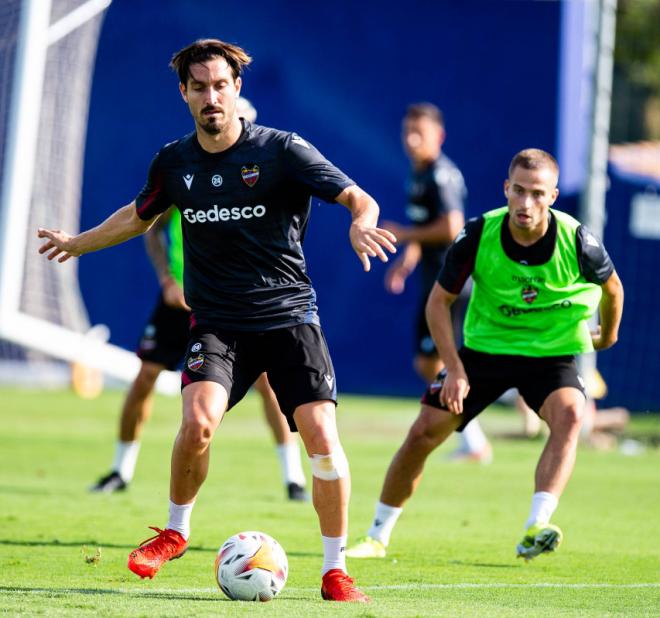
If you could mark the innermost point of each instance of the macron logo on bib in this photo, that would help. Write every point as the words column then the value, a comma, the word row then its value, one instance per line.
column 215, row 214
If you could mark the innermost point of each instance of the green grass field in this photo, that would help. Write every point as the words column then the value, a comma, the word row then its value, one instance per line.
column 452, row 553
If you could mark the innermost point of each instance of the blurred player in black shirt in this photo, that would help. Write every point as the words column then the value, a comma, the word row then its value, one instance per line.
column 244, row 193
column 435, row 212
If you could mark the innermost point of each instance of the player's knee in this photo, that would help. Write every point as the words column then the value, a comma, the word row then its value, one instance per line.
column 568, row 420
column 330, row 467
column 197, row 433
column 422, row 437
column 574, row 415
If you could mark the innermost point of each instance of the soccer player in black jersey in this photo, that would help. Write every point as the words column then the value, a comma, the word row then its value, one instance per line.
column 435, row 211
column 163, row 346
column 244, row 193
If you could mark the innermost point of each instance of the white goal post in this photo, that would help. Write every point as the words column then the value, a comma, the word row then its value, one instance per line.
column 41, row 307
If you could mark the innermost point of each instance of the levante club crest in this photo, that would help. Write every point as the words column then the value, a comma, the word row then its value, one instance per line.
column 529, row 294
column 250, row 175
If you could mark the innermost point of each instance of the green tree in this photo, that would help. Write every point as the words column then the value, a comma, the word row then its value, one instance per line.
column 637, row 70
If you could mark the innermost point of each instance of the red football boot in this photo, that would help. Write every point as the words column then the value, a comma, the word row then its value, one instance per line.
column 338, row 586
column 156, row 551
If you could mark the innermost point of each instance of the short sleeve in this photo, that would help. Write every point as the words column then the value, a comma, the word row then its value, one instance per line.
column 152, row 200
column 595, row 263
column 461, row 256
column 450, row 189
column 307, row 166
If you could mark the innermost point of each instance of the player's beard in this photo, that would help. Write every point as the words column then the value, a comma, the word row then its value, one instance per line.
column 213, row 125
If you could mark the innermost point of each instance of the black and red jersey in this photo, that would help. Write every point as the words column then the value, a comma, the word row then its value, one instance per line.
column 432, row 193
column 244, row 213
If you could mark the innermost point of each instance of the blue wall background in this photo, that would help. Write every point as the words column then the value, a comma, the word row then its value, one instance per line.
column 341, row 75
column 632, row 367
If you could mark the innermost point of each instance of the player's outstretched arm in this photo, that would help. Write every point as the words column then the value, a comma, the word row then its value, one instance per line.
column 611, row 310
column 122, row 225
column 367, row 239
column 438, row 316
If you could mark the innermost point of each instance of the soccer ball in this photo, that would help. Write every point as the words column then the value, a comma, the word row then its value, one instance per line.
column 251, row 566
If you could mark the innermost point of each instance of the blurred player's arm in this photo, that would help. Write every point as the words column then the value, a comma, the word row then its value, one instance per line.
column 611, row 310
column 448, row 197
column 119, row 227
column 441, row 231
column 156, row 244
column 367, row 239
column 403, row 266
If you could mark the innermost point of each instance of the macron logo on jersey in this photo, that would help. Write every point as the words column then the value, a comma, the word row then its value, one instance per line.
column 215, row 214
column 188, row 178
column 296, row 139
column 591, row 240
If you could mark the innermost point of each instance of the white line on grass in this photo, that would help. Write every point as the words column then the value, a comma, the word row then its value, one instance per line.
column 410, row 586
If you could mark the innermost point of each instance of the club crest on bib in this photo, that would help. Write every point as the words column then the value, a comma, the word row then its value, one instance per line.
column 250, row 175
column 195, row 362
column 529, row 294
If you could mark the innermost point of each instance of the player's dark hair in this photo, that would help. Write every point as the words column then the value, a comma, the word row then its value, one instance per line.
column 534, row 159
column 425, row 110
column 207, row 49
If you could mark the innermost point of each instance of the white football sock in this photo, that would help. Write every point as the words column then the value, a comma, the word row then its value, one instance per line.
column 384, row 521
column 334, row 553
column 543, row 506
column 473, row 439
column 126, row 454
column 180, row 518
column 289, row 456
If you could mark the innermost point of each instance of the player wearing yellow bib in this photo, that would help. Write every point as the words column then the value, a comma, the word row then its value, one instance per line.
column 538, row 275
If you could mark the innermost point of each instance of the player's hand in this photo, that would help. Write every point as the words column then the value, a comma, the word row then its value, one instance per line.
column 173, row 295
column 397, row 229
column 368, row 242
column 58, row 243
column 599, row 342
column 454, row 390
column 395, row 278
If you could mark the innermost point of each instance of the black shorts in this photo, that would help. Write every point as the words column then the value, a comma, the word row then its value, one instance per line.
column 296, row 359
column 165, row 336
column 490, row 375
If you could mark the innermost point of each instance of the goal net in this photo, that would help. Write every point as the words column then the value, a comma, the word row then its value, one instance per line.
column 47, row 54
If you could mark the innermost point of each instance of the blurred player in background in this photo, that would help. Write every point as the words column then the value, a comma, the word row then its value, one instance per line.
column 538, row 277
column 244, row 192
column 163, row 346
column 435, row 211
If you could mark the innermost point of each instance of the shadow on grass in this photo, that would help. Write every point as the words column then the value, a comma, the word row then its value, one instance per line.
column 94, row 543
column 170, row 595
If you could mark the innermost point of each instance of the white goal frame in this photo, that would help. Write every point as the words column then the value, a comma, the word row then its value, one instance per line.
column 35, row 35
